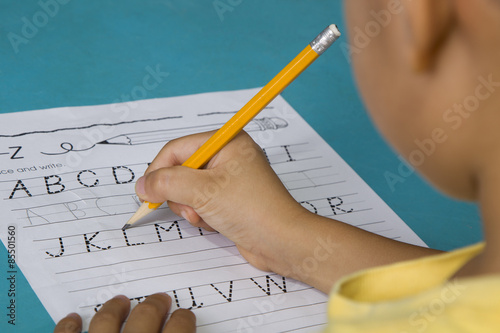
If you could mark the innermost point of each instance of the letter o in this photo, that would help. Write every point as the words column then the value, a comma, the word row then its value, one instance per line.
column 265, row 137
column 138, row 92
column 471, row 103
column 372, row 29
column 211, row 190
column 104, row 295
column 416, row 158
column 309, row 264
column 437, row 306
column 44, row 19
column 258, row 322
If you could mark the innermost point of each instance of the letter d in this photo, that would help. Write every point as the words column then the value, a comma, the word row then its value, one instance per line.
column 360, row 39
column 28, row 30
column 427, row 145
column 404, row 169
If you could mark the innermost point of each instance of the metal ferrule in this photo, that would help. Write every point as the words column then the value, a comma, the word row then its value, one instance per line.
column 324, row 40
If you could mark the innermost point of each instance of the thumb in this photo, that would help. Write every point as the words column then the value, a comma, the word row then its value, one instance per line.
column 179, row 184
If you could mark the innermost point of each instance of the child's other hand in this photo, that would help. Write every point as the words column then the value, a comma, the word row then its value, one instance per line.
column 238, row 194
column 148, row 316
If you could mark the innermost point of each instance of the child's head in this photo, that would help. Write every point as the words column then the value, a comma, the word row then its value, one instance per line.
column 429, row 73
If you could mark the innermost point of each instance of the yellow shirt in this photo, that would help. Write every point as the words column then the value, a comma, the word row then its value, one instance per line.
column 416, row 297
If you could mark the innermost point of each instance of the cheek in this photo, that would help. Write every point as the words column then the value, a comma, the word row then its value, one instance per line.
column 377, row 60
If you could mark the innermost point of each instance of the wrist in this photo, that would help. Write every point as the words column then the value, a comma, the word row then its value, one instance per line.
column 288, row 247
column 303, row 250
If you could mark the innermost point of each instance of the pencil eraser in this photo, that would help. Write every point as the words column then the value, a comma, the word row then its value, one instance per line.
column 325, row 39
column 335, row 30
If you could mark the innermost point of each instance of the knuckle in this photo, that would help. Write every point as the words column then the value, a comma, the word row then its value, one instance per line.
column 200, row 201
column 158, row 182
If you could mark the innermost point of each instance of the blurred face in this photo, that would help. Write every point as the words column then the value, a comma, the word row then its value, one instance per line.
column 376, row 36
column 408, row 106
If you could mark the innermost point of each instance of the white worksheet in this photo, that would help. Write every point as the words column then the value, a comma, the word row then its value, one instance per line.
column 67, row 180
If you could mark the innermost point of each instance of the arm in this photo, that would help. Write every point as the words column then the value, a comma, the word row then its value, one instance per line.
column 240, row 196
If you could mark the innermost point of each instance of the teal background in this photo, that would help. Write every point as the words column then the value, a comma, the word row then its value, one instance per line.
column 96, row 51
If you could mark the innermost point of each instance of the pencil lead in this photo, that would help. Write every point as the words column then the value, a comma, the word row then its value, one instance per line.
column 126, row 226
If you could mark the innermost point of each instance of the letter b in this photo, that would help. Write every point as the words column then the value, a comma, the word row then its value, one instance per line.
column 51, row 7
column 57, row 184
column 427, row 146
column 264, row 307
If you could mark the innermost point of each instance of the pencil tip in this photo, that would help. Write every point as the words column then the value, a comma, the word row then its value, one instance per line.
column 126, row 226
column 105, row 142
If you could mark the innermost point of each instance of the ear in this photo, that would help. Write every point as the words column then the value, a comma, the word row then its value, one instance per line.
column 430, row 24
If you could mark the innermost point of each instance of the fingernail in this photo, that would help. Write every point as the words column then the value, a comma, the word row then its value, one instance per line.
column 122, row 297
column 139, row 186
column 165, row 298
column 184, row 215
column 162, row 294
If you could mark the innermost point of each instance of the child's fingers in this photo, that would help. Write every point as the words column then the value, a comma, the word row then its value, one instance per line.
column 149, row 315
column 72, row 323
column 186, row 212
column 181, row 321
column 177, row 151
column 178, row 184
column 190, row 215
column 110, row 317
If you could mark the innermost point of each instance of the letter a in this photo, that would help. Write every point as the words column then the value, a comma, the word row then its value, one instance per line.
column 15, row 40
column 19, row 186
column 220, row 8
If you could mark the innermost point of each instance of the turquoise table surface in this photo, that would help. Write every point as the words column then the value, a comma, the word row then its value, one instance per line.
column 56, row 53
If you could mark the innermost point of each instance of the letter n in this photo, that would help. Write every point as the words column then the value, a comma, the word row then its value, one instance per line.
column 220, row 8
column 15, row 40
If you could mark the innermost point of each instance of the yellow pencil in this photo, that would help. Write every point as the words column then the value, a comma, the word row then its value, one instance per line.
column 229, row 130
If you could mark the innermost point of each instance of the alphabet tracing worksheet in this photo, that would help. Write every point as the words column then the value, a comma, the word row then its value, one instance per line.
column 67, row 180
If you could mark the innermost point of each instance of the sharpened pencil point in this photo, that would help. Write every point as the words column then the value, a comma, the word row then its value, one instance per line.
column 143, row 210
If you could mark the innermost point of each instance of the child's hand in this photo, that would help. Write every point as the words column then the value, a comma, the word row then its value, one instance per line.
column 148, row 316
column 238, row 194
